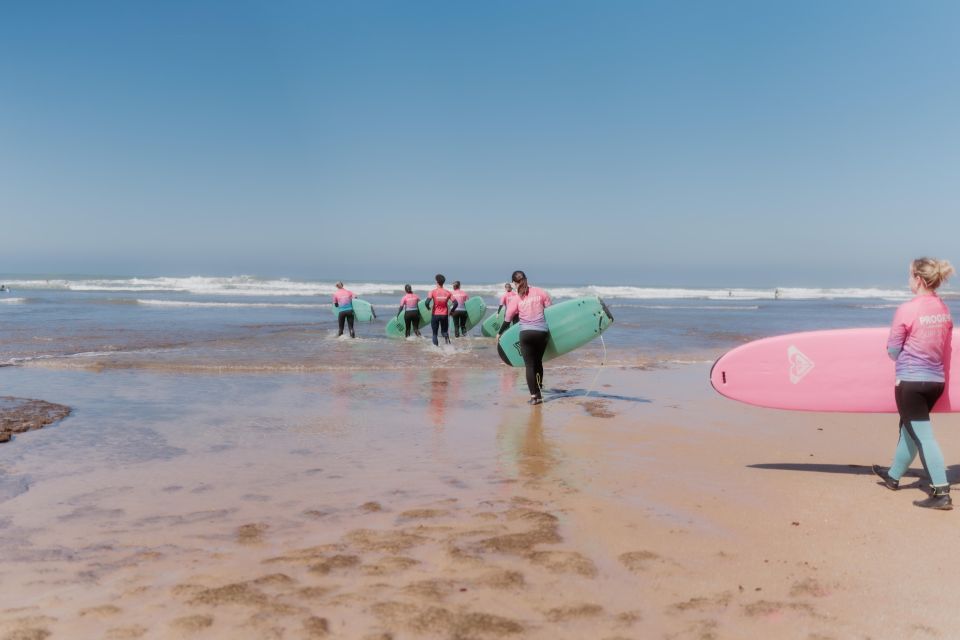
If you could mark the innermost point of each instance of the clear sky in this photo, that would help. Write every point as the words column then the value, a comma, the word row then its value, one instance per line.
column 656, row 143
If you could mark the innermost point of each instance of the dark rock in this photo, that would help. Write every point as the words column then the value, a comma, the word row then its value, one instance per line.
column 18, row 415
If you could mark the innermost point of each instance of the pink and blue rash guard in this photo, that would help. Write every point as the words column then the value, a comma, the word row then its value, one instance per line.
column 506, row 298
column 530, row 309
column 461, row 297
column 440, row 299
column 410, row 302
column 343, row 299
column 920, row 339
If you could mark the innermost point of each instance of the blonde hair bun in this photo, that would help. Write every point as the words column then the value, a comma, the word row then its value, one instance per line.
column 933, row 272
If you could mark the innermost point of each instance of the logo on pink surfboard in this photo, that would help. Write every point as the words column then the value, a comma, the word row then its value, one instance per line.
column 800, row 365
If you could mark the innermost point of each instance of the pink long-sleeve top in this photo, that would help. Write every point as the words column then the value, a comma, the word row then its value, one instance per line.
column 440, row 299
column 410, row 301
column 461, row 297
column 530, row 309
column 920, row 339
column 343, row 299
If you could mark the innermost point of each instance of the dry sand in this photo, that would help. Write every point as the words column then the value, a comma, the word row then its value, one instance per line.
column 651, row 509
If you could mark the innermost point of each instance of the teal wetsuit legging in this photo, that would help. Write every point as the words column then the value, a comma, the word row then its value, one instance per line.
column 914, row 402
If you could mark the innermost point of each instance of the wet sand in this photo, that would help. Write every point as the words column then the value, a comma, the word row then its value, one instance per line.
column 436, row 504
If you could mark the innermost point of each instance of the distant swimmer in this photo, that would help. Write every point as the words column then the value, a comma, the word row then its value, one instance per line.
column 410, row 311
column 343, row 300
column 528, row 305
column 776, row 294
column 460, row 315
column 441, row 303
column 3, row 287
column 920, row 342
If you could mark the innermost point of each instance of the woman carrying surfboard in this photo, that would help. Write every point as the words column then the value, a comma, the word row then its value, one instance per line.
column 919, row 342
column 411, row 312
column 459, row 316
column 528, row 305
column 343, row 300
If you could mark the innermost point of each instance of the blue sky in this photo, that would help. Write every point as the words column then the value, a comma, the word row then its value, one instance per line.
column 671, row 143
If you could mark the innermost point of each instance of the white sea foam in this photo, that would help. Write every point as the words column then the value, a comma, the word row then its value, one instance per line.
column 251, row 286
column 13, row 300
column 239, row 305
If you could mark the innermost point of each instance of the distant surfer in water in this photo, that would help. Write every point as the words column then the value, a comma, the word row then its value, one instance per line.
column 920, row 344
column 411, row 314
column 343, row 300
column 441, row 303
column 528, row 305
column 460, row 315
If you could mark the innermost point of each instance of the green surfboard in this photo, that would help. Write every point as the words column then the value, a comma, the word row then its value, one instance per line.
column 476, row 307
column 362, row 311
column 572, row 324
column 491, row 325
column 397, row 328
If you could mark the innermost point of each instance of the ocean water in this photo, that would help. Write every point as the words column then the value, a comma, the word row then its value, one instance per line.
column 246, row 324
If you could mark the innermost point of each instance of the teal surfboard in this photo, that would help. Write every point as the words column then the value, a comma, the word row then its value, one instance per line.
column 491, row 326
column 476, row 307
column 362, row 311
column 572, row 324
column 397, row 328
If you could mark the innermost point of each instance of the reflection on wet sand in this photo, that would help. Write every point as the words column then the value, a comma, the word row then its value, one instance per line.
column 524, row 445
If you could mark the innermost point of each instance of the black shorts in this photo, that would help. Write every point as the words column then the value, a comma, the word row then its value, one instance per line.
column 916, row 399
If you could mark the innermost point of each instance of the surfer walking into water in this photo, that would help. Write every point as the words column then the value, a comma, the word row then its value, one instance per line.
column 920, row 343
column 459, row 316
column 410, row 311
column 508, row 295
column 528, row 305
column 343, row 300
column 441, row 303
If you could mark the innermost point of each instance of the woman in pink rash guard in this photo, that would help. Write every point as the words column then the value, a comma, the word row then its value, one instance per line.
column 343, row 300
column 528, row 306
column 411, row 314
column 920, row 343
column 460, row 315
column 508, row 295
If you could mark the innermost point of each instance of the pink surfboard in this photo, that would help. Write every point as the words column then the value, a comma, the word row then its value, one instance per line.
column 838, row 370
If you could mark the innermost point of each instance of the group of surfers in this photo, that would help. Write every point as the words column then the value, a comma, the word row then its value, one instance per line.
column 525, row 307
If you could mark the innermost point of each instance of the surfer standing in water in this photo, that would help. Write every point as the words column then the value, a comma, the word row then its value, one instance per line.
column 437, row 300
column 920, row 342
column 528, row 306
column 411, row 314
column 460, row 315
column 343, row 300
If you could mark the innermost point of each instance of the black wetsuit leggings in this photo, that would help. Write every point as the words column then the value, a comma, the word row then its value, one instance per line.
column 411, row 318
column 441, row 323
column 532, row 346
column 460, row 322
column 344, row 316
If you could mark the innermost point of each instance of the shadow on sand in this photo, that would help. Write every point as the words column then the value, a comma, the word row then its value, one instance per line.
column 953, row 471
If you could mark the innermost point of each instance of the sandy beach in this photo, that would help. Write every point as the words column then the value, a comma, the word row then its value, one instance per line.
column 438, row 505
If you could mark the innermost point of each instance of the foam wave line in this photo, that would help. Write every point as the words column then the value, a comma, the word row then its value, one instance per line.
column 228, row 305
column 252, row 286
